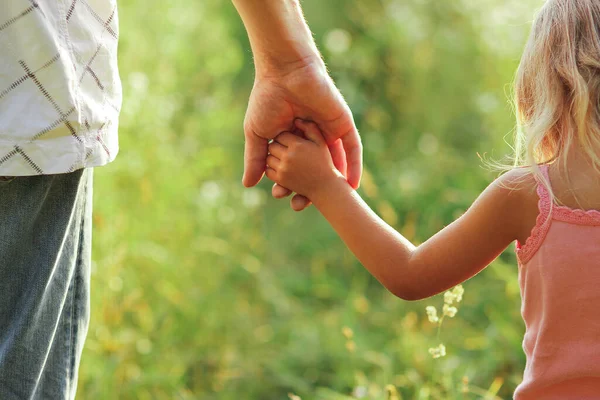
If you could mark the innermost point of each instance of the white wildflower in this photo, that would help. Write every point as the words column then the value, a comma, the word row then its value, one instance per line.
column 437, row 352
column 458, row 292
column 449, row 311
column 449, row 297
column 432, row 314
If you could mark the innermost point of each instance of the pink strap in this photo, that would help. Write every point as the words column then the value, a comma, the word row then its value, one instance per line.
column 548, row 212
column 543, row 221
column 545, row 203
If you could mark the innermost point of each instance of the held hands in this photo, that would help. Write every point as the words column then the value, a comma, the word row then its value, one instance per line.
column 304, row 166
column 304, row 91
column 291, row 82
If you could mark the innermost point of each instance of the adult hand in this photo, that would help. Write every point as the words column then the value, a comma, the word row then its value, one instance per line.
column 302, row 90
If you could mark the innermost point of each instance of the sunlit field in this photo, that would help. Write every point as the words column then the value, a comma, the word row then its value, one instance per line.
column 205, row 290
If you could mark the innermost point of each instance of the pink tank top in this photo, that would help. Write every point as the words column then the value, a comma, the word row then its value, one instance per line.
column 559, row 276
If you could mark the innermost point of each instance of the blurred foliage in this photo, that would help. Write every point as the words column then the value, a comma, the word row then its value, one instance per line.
column 205, row 290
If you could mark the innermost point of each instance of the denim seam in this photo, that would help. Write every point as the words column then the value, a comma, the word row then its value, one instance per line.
column 69, row 320
column 77, row 281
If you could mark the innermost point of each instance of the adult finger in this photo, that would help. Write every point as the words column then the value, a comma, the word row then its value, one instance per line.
column 279, row 192
column 339, row 156
column 311, row 131
column 287, row 139
column 255, row 155
column 277, row 149
column 353, row 150
column 273, row 162
column 299, row 202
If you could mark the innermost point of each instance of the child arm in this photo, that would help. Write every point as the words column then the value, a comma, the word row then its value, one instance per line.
column 453, row 255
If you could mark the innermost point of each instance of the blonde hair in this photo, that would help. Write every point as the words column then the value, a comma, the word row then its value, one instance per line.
column 557, row 87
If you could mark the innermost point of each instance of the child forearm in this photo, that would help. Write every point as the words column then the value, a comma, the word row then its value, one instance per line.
column 451, row 256
column 384, row 252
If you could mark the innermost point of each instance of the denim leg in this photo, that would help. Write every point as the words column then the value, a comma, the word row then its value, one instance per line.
column 45, row 256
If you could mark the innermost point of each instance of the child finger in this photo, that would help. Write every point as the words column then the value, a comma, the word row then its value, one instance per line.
column 271, row 174
column 299, row 202
column 277, row 149
column 273, row 162
column 298, row 132
column 311, row 131
column 279, row 192
column 287, row 139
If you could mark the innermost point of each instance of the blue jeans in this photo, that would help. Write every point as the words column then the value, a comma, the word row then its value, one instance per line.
column 45, row 256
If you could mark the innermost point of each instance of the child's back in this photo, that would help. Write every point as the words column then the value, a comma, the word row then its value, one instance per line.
column 558, row 100
column 559, row 271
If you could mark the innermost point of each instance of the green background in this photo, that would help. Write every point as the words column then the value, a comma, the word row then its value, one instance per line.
column 205, row 290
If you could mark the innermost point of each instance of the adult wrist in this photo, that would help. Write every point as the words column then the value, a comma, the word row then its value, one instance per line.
column 270, row 64
column 280, row 38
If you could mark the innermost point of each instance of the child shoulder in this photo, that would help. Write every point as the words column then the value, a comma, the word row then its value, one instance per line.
column 519, row 181
column 516, row 189
column 518, row 199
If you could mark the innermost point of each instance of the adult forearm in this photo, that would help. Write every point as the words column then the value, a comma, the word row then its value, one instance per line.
column 381, row 250
column 278, row 33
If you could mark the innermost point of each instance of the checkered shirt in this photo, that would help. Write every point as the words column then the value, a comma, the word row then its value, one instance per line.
column 60, row 93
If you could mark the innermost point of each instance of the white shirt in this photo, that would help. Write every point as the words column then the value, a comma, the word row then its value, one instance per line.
column 60, row 92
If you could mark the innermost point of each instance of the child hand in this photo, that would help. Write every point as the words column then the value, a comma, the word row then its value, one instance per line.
column 304, row 166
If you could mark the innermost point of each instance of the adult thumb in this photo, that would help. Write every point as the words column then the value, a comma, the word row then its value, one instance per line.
column 255, row 158
column 311, row 131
